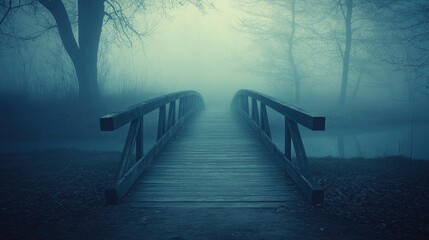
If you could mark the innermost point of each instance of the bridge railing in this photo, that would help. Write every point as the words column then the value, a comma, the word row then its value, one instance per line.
column 131, row 167
column 253, row 106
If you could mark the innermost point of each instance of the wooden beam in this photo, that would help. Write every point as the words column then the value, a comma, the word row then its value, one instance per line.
column 299, row 147
column 139, row 140
column 255, row 112
column 171, row 114
column 161, row 122
column 288, row 140
column 128, row 148
column 310, row 121
column 245, row 104
column 311, row 189
column 114, row 121
column 118, row 189
column 265, row 124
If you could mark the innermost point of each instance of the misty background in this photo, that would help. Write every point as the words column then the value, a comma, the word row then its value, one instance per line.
column 295, row 51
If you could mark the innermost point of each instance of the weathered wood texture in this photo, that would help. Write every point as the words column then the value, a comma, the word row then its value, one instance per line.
column 215, row 161
column 131, row 168
column 308, row 120
column 116, row 120
column 297, row 170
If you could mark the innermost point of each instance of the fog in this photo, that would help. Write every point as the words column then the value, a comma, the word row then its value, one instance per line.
column 190, row 49
column 227, row 46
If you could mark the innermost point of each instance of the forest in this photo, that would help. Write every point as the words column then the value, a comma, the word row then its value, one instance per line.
column 361, row 64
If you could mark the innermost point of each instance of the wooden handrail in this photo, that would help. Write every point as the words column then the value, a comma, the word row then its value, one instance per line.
column 131, row 168
column 258, row 120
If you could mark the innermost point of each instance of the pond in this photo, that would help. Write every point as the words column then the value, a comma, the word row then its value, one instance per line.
column 338, row 142
column 364, row 142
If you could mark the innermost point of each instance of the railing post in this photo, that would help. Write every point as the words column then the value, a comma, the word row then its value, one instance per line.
column 288, row 140
column 171, row 114
column 139, row 140
column 128, row 147
column 192, row 102
column 265, row 125
column 187, row 104
column 299, row 147
column 245, row 104
column 181, row 105
column 255, row 113
column 161, row 122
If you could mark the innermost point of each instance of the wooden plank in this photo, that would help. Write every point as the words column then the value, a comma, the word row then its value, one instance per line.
column 216, row 189
column 203, row 171
column 203, row 167
column 118, row 189
column 216, row 172
column 208, row 194
column 209, row 204
column 311, row 190
column 256, row 184
column 268, row 198
column 212, row 181
column 219, row 175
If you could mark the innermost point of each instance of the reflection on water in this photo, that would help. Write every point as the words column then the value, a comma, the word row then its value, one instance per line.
column 361, row 142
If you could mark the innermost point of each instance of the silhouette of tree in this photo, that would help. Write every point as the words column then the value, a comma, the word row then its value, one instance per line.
column 79, row 24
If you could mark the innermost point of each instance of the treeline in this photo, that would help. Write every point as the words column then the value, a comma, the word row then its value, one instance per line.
column 340, row 45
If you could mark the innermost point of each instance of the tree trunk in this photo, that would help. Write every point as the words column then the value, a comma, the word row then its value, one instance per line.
column 83, row 52
column 358, row 81
column 291, row 57
column 91, row 13
column 348, row 46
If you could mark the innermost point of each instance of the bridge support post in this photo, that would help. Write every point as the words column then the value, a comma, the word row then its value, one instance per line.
column 161, row 122
column 255, row 113
column 139, row 140
column 288, row 140
column 245, row 104
column 180, row 108
column 171, row 115
column 265, row 124
column 299, row 147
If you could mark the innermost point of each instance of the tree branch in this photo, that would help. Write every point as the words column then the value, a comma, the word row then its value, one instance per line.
column 10, row 8
column 59, row 12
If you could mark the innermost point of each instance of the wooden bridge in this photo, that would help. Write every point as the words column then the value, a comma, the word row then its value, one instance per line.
column 215, row 160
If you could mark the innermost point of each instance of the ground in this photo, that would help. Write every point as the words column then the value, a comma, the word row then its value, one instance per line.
column 59, row 195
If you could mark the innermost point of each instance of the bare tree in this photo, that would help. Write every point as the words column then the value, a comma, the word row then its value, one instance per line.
column 346, row 7
column 88, row 16
column 278, row 24
column 357, row 15
column 408, row 23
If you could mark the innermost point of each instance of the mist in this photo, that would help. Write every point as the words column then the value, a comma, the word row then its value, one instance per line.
column 226, row 119
column 232, row 45
column 190, row 49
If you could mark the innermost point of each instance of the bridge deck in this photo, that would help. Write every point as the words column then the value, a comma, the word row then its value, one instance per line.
column 215, row 161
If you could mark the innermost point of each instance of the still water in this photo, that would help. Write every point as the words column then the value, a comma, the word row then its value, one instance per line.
column 365, row 142
column 341, row 142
